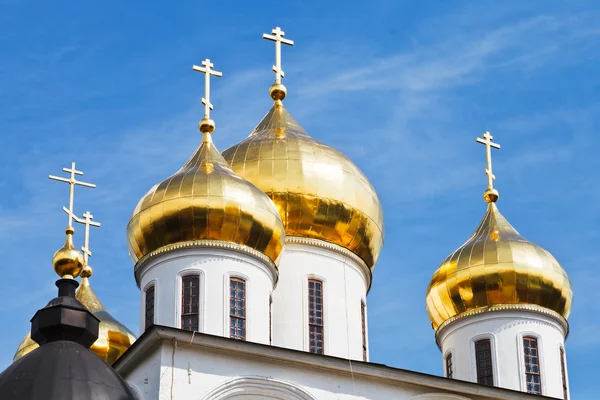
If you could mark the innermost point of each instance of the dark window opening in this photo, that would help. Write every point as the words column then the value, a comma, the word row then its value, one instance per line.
column 363, row 318
column 190, row 302
column 315, row 316
column 564, row 374
column 449, row 369
column 237, row 308
column 483, row 360
column 532, row 365
column 149, row 314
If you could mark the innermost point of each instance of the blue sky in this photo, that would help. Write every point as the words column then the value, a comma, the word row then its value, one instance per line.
column 402, row 87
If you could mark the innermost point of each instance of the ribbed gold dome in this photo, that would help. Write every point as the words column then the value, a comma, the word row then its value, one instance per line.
column 113, row 337
column 497, row 269
column 206, row 202
column 318, row 191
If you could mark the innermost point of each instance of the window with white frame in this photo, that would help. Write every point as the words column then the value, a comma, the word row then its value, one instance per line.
column 532, row 365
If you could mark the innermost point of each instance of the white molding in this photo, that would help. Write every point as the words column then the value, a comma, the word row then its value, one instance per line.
column 267, row 388
column 438, row 396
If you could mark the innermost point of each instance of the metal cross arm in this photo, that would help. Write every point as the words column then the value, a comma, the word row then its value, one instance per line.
column 487, row 141
column 278, row 37
column 87, row 221
column 207, row 70
column 72, row 181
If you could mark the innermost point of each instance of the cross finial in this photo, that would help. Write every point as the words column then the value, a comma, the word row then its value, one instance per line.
column 278, row 37
column 72, row 181
column 491, row 194
column 207, row 70
column 87, row 221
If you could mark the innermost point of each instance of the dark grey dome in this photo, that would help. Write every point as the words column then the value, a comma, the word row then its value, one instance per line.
column 63, row 367
column 62, row 370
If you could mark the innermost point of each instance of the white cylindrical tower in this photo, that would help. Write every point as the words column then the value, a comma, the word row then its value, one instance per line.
column 206, row 243
column 208, row 274
column 320, row 302
column 334, row 233
column 499, row 305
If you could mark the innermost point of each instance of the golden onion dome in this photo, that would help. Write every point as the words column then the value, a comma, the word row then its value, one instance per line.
column 497, row 269
column 205, row 204
column 318, row 191
column 113, row 337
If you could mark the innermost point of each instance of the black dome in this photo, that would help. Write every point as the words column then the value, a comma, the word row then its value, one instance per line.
column 62, row 370
column 63, row 367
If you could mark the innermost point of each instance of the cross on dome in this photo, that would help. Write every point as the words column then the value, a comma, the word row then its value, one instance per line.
column 72, row 181
column 491, row 194
column 87, row 221
column 278, row 37
column 207, row 70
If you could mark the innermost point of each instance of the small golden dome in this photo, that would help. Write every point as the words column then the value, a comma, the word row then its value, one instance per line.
column 113, row 337
column 206, row 201
column 68, row 261
column 497, row 269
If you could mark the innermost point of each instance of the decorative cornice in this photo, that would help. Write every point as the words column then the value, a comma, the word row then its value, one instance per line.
column 336, row 248
column 505, row 307
column 204, row 243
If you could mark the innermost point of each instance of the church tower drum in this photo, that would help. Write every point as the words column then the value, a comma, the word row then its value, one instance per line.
column 206, row 244
column 499, row 305
column 334, row 229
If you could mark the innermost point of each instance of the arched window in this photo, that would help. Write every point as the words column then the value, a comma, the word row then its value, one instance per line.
column 483, row 361
column 449, row 366
column 315, row 316
column 190, row 302
column 563, row 374
column 532, row 365
column 237, row 308
column 149, row 314
column 363, row 319
column 270, row 319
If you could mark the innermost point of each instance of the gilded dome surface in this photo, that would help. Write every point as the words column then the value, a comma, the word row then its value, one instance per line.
column 206, row 201
column 318, row 191
column 497, row 269
column 113, row 337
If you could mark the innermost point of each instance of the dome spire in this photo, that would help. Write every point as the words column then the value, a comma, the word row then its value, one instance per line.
column 278, row 91
column 491, row 194
column 207, row 125
column 67, row 261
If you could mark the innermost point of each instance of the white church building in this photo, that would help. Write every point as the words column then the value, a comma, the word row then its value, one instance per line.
column 254, row 266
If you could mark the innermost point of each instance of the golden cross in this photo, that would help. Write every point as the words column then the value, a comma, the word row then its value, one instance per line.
column 72, row 182
column 87, row 221
column 277, row 37
column 488, row 152
column 208, row 71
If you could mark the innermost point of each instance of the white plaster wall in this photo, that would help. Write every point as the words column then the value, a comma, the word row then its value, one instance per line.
column 506, row 330
column 344, row 287
column 205, row 375
column 215, row 267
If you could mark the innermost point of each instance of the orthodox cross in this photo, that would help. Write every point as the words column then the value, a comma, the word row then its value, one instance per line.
column 72, row 182
column 87, row 221
column 277, row 37
column 488, row 152
column 208, row 71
